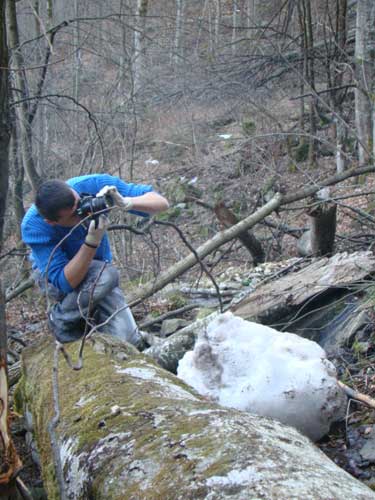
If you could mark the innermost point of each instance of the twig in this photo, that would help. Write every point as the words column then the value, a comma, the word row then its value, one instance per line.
column 357, row 396
column 199, row 260
column 55, row 421
column 23, row 489
column 25, row 285
column 168, row 314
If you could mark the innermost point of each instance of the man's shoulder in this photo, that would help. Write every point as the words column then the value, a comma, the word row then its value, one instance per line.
column 89, row 183
column 34, row 222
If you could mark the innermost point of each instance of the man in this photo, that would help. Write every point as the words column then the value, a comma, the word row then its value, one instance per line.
column 74, row 264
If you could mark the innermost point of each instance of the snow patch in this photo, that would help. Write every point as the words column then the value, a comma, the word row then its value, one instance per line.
column 169, row 390
column 255, row 368
column 84, row 400
column 235, row 478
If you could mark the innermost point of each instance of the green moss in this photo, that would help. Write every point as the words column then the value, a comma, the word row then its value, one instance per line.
column 248, row 126
column 176, row 300
column 301, row 152
column 171, row 214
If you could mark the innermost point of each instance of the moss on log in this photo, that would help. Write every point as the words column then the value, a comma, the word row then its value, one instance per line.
column 129, row 429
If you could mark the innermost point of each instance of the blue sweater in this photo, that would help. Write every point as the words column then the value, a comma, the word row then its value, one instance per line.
column 42, row 238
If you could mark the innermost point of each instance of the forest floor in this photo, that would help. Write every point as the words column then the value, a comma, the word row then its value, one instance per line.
column 234, row 170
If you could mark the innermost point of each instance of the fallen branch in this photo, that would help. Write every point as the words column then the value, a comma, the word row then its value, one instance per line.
column 169, row 314
column 25, row 285
column 190, row 260
column 357, row 396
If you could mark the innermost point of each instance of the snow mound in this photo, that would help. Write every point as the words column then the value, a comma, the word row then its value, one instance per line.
column 255, row 368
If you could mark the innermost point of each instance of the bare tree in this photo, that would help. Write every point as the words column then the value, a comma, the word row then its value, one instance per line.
column 22, row 109
column 365, row 74
column 10, row 463
column 139, row 44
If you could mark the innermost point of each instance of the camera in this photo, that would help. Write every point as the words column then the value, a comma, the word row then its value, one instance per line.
column 90, row 205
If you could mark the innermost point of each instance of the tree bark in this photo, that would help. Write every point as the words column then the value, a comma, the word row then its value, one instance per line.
column 180, row 5
column 129, row 429
column 10, row 464
column 365, row 73
column 323, row 229
column 204, row 250
column 228, row 219
column 22, row 109
column 139, row 44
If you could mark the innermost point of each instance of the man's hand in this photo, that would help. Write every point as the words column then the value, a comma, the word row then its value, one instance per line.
column 123, row 202
column 96, row 231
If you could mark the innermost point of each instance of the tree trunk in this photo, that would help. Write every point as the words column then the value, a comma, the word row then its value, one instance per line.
column 139, row 44
column 180, row 4
column 228, row 219
column 22, row 109
column 365, row 74
column 9, row 461
column 323, row 229
column 234, row 26
column 129, row 429
column 19, row 209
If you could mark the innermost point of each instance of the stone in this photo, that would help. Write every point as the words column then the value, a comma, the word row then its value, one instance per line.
column 367, row 451
column 170, row 326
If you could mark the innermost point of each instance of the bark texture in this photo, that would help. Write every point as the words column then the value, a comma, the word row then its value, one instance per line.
column 129, row 429
column 365, row 72
column 323, row 229
column 247, row 238
column 276, row 299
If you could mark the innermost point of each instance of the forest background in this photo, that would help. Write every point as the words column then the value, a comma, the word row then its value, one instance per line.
column 215, row 103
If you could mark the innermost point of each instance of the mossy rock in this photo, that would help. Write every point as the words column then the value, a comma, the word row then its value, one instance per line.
column 129, row 429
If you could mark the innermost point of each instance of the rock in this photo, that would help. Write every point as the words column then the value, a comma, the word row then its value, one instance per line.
column 167, row 442
column 169, row 353
column 170, row 326
column 367, row 452
column 255, row 368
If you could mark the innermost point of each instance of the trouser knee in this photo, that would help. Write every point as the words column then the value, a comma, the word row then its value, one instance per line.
column 100, row 280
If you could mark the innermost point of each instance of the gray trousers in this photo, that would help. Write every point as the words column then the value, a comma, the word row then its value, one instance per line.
column 99, row 290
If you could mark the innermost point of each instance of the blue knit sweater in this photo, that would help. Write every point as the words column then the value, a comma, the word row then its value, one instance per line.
column 42, row 238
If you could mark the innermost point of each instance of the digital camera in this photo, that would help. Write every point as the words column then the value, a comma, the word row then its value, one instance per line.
column 90, row 205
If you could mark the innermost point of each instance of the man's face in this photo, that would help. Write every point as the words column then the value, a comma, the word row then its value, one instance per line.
column 67, row 217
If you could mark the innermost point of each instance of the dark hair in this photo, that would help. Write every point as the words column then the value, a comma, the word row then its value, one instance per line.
column 53, row 196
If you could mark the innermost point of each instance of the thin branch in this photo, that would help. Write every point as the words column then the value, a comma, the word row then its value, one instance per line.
column 199, row 260
column 357, row 396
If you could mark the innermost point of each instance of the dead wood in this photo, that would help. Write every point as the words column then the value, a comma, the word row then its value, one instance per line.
column 247, row 238
column 218, row 240
column 25, row 285
column 169, row 314
column 323, row 228
column 357, row 396
column 276, row 299
column 10, row 464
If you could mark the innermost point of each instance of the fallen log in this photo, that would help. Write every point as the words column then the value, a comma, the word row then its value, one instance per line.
column 276, row 299
column 129, row 429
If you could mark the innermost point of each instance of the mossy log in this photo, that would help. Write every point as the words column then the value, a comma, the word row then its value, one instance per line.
column 129, row 429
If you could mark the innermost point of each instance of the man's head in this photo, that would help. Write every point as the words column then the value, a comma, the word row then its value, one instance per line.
column 57, row 202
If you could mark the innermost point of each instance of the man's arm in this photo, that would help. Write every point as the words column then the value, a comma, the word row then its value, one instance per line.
column 151, row 202
column 76, row 269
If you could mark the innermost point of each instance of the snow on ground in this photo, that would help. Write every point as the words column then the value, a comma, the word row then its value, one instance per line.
column 255, row 368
